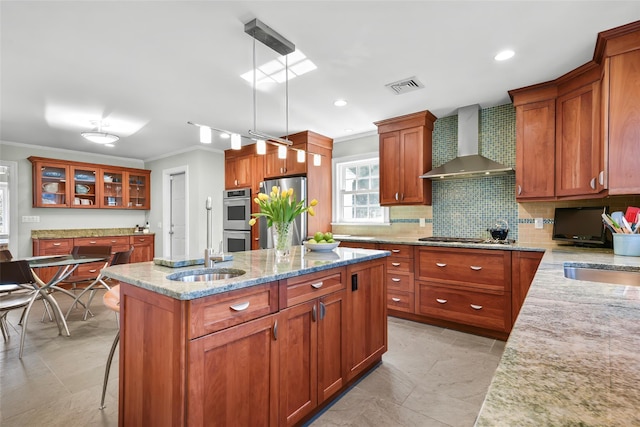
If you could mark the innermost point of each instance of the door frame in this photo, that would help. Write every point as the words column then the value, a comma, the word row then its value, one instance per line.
column 166, row 207
column 13, row 206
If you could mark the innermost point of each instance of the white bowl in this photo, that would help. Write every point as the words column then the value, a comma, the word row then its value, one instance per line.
column 321, row 247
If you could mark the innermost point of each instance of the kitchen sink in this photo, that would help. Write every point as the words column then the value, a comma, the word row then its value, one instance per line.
column 619, row 277
column 206, row 274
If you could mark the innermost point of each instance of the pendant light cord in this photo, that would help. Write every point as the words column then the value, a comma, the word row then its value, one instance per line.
column 255, row 108
column 286, row 94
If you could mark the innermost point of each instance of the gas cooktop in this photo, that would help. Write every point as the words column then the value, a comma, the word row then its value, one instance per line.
column 465, row 240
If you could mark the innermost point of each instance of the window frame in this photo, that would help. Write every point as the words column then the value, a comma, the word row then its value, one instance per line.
column 339, row 162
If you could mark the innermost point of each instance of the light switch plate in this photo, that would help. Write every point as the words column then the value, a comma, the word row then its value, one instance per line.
column 30, row 218
column 539, row 223
column 422, row 222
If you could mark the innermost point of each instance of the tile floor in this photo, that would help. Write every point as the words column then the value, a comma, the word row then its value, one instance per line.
column 429, row 377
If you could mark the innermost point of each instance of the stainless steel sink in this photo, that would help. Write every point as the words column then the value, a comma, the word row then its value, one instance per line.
column 619, row 277
column 206, row 274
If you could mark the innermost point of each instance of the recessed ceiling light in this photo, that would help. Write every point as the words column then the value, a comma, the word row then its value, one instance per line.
column 225, row 135
column 339, row 102
column 504, row 55
column 348, row 130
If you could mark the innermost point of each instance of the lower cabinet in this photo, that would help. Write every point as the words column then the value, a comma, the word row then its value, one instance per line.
column 266, row 355
column 367, row 315
column 245, row 392
column 143, row 248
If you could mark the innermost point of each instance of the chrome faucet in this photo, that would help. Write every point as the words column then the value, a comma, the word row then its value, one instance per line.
column 211, row 257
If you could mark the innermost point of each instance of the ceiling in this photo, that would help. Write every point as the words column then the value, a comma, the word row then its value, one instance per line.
column 148, row 67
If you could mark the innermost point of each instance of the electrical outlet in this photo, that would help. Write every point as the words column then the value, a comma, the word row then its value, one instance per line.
column 34, row 218
column 539, row 223
column 422, row 222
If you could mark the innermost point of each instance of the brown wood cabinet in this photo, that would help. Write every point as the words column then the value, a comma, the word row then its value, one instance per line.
column 523, row 268
column 143, row 247
column 313, row 346
column 266, row 355
column 366, row 316
column 67, row 184
column 577, row 136
column 400, row 277
column 624, row 122
column 405, row 154
column 238, row 172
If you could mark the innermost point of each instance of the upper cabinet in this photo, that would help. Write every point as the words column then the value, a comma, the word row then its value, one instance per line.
column 405, row 154
column 579, row 136
column 67, row 184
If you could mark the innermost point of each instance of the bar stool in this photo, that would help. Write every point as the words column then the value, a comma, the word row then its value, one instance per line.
column 111, row 300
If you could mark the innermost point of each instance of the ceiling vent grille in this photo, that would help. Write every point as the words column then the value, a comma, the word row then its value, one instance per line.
column 405, row 85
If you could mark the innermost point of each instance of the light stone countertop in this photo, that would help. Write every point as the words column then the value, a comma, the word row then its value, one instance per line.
column 260, row 267
column 573, row 356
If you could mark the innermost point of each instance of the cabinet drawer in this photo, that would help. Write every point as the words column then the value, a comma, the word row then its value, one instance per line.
column 55, row 246
column 403, row 265
column 216, row 312
column 117, row 243
column 359, row 245
column 400, row 281
column 484, row 269
column 465, row 306
column 401, row 301
column 310, row 286
column 397, row 251
column 89, row 270
column 141, row 240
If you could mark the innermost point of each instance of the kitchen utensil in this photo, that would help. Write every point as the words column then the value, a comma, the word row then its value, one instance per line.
column 50, row 187
column 82, row 189
column 500, row 230
column 631, row 214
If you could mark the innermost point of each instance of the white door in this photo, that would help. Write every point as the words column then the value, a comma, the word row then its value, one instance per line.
column 178, row 216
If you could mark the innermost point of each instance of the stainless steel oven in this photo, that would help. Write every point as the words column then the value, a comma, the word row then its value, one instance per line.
column 236, row 240
column 236, row 209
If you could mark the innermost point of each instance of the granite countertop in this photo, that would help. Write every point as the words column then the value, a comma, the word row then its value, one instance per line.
column 400, row 240
column 260, row 267
column 84, row 232
column 573, row 356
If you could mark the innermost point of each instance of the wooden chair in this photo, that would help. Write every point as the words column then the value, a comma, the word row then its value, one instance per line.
column 5, row 255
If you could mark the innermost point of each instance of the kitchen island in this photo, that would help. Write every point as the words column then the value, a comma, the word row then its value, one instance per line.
column 270, row 347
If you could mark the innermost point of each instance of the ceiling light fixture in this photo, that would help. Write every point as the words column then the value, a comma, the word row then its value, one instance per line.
column 236, row 141
column 98, row 136
column 261, row 146
column 301, row 156
column 339, row 102
column 205, row 134
column 504, row 55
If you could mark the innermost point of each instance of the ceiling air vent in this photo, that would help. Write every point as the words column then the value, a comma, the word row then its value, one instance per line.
column 405, row 85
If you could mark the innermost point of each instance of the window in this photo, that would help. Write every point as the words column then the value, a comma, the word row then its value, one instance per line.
column 357, row 192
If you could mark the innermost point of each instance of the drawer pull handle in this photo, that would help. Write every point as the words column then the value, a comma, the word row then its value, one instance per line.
column 317, row 285
column 441, row 264
column 314, row 313
column 93, row 242
column 395, row 264
column 395, row 251
column 57, row 244
column 240, row 307
column 113, row 241
column 592, row 183
column 275, row 331
column 93, row 270
column 441, row 301
column 395, row 299
column 140, row 240
column 395, row 279
column 476, row 307
column 323, row 311
column 475, row 267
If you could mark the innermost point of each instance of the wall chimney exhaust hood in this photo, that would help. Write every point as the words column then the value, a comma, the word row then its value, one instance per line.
column 468, row 164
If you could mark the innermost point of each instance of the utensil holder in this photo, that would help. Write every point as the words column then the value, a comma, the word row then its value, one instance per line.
column 626, row 244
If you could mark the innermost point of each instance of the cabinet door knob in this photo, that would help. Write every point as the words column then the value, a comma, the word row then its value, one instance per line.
column 441, row 264
column 601, row 177
column 476, row 307
column 475, row 267
column 441, row 301
column 240, row 307
column 395, row 299
column 593, row 183
column 395, row 279
column 519, row 190
column 317, row 285
column 396, row 196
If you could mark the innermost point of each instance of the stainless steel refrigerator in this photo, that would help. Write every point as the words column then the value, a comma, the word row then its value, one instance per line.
column 299, row 185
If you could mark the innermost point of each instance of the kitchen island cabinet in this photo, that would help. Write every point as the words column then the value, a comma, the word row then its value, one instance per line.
column 269, row 347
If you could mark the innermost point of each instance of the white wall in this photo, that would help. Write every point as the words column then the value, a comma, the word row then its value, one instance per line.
column 206, row 178
column 359, row 145
column 52, row 218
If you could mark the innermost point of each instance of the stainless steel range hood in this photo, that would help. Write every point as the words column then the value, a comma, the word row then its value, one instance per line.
column 468, row 164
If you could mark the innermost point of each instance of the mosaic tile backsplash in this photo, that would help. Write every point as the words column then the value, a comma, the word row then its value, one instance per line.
column 467, row 207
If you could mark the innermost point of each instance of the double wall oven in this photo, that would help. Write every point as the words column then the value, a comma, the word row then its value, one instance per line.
column 236, row 231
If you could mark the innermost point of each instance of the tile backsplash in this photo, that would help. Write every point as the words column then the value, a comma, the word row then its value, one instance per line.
column 467, row 207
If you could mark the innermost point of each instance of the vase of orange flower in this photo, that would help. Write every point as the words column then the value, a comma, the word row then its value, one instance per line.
column 280, row 208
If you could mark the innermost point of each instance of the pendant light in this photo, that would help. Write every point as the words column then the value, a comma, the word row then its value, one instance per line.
column 98, row 136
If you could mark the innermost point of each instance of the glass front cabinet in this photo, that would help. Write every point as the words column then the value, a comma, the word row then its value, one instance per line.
column 66, row 184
